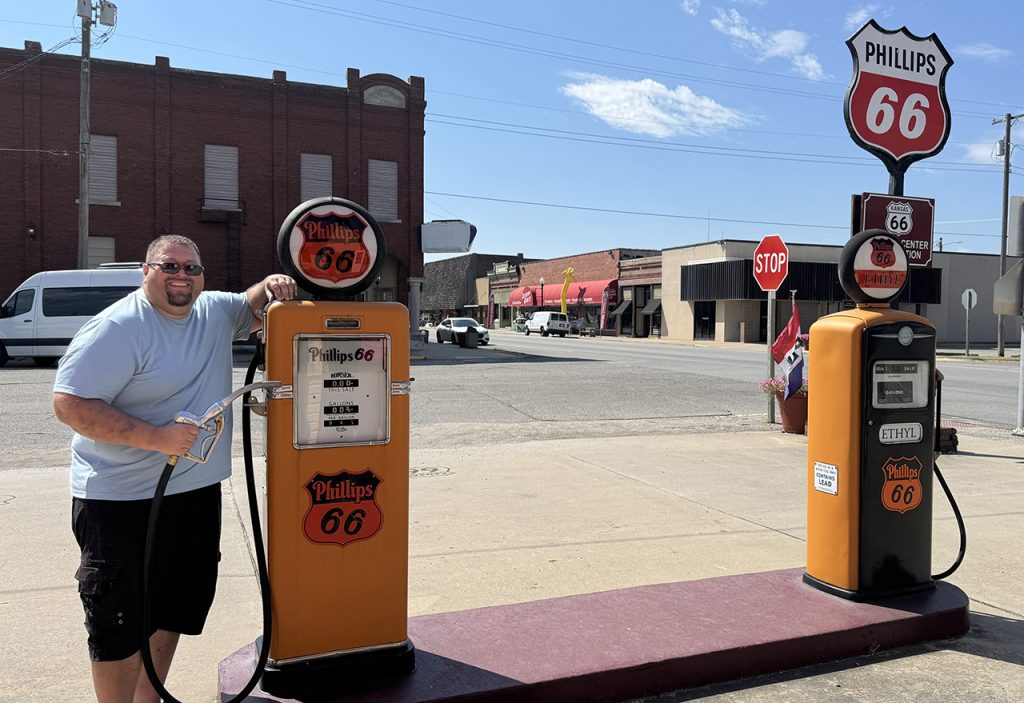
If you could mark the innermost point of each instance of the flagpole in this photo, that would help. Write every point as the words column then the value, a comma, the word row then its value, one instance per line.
column 771, row 359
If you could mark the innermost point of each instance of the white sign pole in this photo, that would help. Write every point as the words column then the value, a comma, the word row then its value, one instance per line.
column 771, row 359
column 967, row 333
column 1020, row 384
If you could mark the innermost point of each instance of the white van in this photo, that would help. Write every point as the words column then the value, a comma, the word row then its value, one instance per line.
column 547, row 322
column 42, row 315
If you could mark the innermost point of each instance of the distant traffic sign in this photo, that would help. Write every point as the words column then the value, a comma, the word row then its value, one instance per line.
column 771, row 262
column 969, row 299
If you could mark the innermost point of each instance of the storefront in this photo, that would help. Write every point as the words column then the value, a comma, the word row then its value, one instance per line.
column 584, row 300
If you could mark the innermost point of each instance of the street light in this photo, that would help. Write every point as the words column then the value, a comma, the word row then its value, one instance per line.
column 542, row 291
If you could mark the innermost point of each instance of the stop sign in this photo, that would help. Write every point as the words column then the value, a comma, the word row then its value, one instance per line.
column 771, row 262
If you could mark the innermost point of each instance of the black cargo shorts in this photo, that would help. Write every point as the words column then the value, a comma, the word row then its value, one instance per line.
column 112, row 537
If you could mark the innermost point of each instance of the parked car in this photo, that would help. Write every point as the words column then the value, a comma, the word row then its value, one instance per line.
column 452, row 330
column 547, row 322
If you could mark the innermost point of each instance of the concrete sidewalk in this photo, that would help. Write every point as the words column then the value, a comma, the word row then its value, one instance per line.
column 510, row 523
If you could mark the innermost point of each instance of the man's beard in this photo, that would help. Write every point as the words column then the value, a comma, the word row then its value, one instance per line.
column 179, row 298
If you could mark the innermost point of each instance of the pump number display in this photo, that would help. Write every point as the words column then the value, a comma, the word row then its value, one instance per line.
column 341, row 390
column 900, row 384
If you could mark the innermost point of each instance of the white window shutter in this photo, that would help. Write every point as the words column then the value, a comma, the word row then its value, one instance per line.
column 102, row 169
column 221, row 177
column 383, row 200
column 316, row 176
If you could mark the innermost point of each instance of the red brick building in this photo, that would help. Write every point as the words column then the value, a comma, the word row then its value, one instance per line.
column 611, row 279
column 219, row 158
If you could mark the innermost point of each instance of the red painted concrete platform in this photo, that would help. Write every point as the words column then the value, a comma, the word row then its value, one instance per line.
column 623, row 644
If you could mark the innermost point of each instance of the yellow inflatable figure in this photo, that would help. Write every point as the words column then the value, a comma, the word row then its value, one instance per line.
column 567, row 274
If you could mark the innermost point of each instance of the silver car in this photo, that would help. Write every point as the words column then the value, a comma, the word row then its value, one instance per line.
column 452, row 330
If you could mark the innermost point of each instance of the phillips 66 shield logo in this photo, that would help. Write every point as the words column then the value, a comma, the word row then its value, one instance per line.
column 333, row 245
column 343, row 508
column 896, row 104
column 902, row 490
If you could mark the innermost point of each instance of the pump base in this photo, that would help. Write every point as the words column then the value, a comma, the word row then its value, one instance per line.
column 325, row 671
column 865, row 596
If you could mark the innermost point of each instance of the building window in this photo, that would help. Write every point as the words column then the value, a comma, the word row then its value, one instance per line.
column 221, row 177
column 316, row 176
column 101, row 251
column 383, row 200
column 103, row 170
column 383, row 95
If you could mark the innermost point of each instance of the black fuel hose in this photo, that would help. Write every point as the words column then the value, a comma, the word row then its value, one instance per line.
column 261, row 557
column 959, row 523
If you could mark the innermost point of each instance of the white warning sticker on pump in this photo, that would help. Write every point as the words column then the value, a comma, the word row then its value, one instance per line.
column 826, row 478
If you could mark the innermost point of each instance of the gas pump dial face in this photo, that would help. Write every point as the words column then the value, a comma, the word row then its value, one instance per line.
column 332, row 247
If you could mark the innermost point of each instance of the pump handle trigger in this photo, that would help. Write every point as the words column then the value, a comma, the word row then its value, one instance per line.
column 215, row 414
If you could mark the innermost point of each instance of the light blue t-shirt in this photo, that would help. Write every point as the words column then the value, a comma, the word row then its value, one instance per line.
column 152, row 367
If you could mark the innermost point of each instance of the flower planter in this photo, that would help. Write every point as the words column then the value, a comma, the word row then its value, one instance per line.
column 794, row 413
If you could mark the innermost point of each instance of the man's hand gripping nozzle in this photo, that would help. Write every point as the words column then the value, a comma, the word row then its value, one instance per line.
column 211, row 422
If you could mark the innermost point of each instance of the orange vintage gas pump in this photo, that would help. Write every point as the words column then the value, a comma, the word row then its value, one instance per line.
column 337, row 503
column 870, row 433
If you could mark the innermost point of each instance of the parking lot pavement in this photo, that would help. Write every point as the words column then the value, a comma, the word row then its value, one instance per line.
column 493, row 522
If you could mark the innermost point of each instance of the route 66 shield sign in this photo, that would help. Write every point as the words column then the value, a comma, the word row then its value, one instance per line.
column 896, row 104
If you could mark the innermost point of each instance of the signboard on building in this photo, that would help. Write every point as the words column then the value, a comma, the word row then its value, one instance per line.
column 910, row 220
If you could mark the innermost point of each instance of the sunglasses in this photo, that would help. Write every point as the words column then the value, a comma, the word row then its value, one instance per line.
column 172, row 267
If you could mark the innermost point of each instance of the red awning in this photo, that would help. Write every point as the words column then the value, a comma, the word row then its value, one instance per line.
column 585, row 292
column 523, row 297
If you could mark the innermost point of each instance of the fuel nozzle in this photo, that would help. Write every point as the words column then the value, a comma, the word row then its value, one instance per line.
column 211, row 422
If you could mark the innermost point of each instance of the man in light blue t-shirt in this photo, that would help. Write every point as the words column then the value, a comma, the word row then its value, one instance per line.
column 128, row 372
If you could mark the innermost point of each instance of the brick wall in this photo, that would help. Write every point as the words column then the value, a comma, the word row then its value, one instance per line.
column 595, row 266
column 162, row 118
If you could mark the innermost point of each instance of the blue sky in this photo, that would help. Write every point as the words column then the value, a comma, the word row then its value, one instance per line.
column 562, row 127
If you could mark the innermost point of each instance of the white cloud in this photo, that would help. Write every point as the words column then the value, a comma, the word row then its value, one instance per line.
column 787, row 43
column 983, row 152
column 690, row 7
column 650, row 108
column 856, row 19
column 983, row 51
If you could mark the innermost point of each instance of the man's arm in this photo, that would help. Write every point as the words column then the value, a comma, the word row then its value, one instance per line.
column 98, row 420
column 276, row 286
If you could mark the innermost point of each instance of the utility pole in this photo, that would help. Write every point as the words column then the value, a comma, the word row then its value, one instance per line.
column 1008, row 119
column 85, row 12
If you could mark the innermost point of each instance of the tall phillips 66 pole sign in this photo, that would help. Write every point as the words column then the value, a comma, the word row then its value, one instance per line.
column 896, row 104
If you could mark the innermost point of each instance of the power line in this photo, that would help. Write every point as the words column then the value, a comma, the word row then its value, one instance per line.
column 640, row 52
column 474, row 39
column 673, row 216
column 668, row 147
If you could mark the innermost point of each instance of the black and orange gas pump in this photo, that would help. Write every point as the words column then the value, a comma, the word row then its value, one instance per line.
column 335, row 576
column 871, row 429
